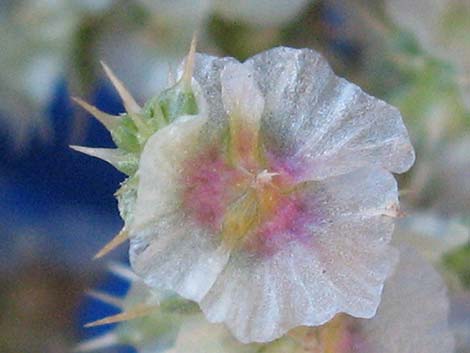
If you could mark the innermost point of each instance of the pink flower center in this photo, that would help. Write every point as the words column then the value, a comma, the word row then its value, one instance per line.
column 252, row 208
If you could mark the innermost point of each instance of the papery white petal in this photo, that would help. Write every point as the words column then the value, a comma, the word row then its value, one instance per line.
column 357, row 257
column 175, row 253
column 207, row 71
column 337, row 258
column 324, row 121
column 413, row 314
column 260, row 299
column 240, row 95
column 167, row 249
column 160, row 167
column 364, row 192
column 340, row 268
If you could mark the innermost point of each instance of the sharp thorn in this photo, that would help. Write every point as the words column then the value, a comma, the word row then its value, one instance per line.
column 129, row 102
column 120, row 238
column 134, row 313
column 106, row 298
column 122, row 271
column 109, row 121
column 187, row 76
column 110, row 155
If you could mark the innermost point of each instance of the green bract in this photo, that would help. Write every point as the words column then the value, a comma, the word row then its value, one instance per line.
column 131, row 130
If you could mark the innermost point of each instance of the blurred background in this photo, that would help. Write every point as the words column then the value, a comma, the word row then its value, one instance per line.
column 57, row 207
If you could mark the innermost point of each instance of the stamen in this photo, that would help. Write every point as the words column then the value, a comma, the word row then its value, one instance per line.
column 265, row 176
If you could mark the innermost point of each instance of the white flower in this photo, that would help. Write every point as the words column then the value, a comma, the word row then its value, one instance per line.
column 274, row 209
column 411, row 318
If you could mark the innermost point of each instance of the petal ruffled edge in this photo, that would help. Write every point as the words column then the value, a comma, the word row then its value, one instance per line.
column 167, row 249
column 324, row 121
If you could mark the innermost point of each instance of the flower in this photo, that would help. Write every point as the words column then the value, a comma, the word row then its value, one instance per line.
column 275, row 208
column 411, row 318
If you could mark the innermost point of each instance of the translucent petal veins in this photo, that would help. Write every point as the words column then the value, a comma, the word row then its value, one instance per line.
column 295, row 226
column 323, row 122
column 109, row 121
column 244, row 105
column 421, row 327
column 120, row 238
column 129, row 102
column 261, row 190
